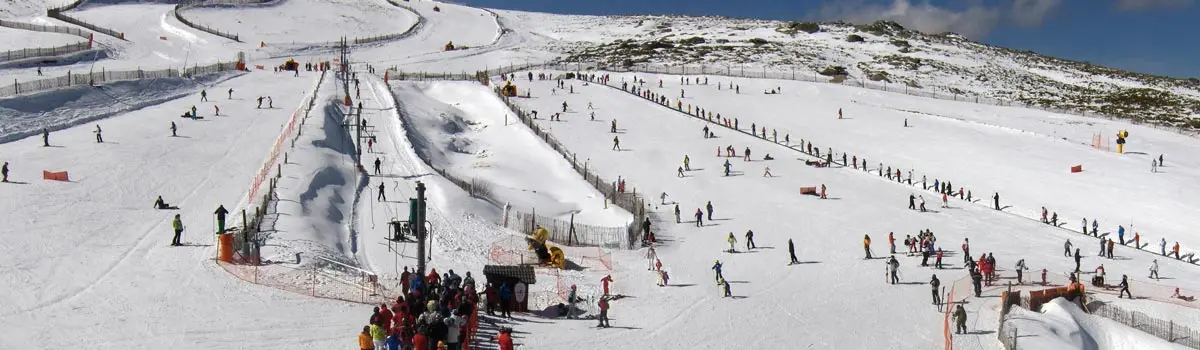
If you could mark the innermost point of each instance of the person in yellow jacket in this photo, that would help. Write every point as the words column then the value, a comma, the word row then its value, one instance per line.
column 177, row 224
column 732, row 241
column 364, row 339
column 867, row 245
column 378, row 336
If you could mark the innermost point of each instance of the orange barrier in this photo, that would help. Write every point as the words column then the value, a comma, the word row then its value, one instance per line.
column 1077, row 168
column 55, row 175
column 225, row 247
column 808, row 190
column 259, row 67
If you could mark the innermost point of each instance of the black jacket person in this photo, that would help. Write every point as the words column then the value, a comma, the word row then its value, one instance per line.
column 221, row 212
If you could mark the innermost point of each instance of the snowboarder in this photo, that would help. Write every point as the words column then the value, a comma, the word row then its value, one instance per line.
column 699, row 218
column 960, row 319
column 1124, row 287
column 1154, row 269
column 377, row 164
column 173, row 130
column 616, row 143
column 732, row 241
column 792, row 252
column 867, row 246
column 717, row 269
column 381, row 197
column 709, row 207
column 203, row 95
column 99, row 136
column 750, row 240
column 177, row 224
column 937, row 297
column 221, row 212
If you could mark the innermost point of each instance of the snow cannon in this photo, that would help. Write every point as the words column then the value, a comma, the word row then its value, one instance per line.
column 449, row 45
column 509, row 89
column 557, row 258
column 1121, row 135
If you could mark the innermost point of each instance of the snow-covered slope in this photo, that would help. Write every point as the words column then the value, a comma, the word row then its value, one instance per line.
column 1062, row 325
column 879, row 52
column 354, row 19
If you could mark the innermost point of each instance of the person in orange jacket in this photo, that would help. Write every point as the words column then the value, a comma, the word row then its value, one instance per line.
column 364, row 339
column 505, row 339
column 606, row 280
column 867, row 245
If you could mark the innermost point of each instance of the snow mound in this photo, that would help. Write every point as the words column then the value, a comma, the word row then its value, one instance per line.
column 1062, row 325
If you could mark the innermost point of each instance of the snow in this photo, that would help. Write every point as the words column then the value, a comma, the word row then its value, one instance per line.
column 1062, row 325
column 308, row 20
column 88, row 261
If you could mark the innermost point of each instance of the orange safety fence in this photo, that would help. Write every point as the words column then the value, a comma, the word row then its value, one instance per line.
column 55, row 176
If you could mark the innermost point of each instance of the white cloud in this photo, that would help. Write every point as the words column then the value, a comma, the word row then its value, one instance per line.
column 1133, row 5
column 973, row 22
column 1031, row 13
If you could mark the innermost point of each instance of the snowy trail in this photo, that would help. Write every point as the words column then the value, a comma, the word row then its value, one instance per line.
column 105, row 263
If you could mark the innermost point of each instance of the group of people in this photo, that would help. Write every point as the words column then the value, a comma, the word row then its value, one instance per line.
column 434, row 312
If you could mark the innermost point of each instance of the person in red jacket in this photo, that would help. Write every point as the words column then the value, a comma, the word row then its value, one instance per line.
column 606, row 280
column 505, row 339
column 419, row 341
column 433, row 279
column 385, row 317
column 493, row 299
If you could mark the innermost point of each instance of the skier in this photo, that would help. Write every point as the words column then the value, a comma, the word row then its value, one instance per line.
column 839, row 113
column 1020, row 269
column 1084, row 227
column 894, row 270
column 203, row 95
column 194, row 115
column 216, row 110
column 912, row 202
column 699, row 218
column 867, row 245
column 1067, row 248
column 1160, row 160
column 732, row 241
column 160, row 204
column 709, row 207
column 99, row 136
column 937, row 297
column 705, row 131
column 1054, row 219
column 651, row 257
column 996, row 199
column 1095, row 228
column 612, row 128
column 823, row 192
column 725, row 285
column 4, row 172
column 377, row 163
column 767, row 172
column 892, row 241
column 260, row 99
column 220, row 213
column 792, row 252
column 664, row 198
column 564, row 107
column 1162, row 245
column 938, row 263
column 605, row 281
column 1121, row 234
column 687, row 163
column 717, row 268
column 945, row 203
column 922, row 207
column 230, row 93
column 173, row 130
column 270, row 103
column 960, row 319
column 1154, row 269
column 45, row 137
column 177, row 224
column 747, row 155
column 1111, row 244
column 381, row 197
column 616, row 144
column 679, row 172
column 1124, row 287
column 677, row 213
column 1077, row 257
column 603, row 313
column 976, row 279
column 749, row 240
column 728, row 167
column 664, row 278
column 966, row 247
column 1153, row 166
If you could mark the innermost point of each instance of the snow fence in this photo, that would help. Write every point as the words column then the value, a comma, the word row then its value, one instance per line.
column 105, row 76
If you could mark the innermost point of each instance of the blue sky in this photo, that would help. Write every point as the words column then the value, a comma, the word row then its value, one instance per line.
column 1150, row 36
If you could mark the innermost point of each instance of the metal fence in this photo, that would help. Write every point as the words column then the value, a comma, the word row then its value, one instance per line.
column 21, row 54
column 565, row 232
column 104, row 76
column 45, row 28
column 804, row 74
column 1165, row 329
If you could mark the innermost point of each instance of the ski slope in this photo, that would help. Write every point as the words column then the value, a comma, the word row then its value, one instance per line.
column 154, row 38
column 1061, row 325
column 308, row 20
column 17, row 39
column 91, row 261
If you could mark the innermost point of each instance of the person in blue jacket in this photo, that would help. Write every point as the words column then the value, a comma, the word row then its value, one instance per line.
column 506, row 298
column 717, row 267
column 1121, row 234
